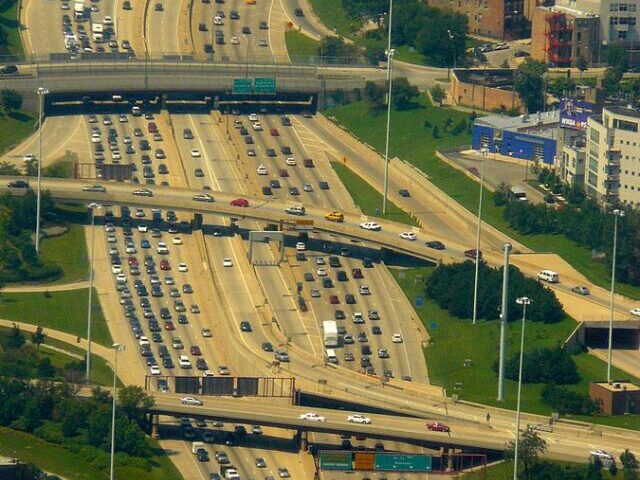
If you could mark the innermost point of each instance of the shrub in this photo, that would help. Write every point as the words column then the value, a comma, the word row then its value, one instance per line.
column 565, row 401
column 546, row 365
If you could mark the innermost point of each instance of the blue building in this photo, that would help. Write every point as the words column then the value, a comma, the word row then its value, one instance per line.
column 528, row 137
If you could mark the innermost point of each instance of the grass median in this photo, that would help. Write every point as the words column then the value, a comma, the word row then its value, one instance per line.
column 368, row 198
column 333, row 14
column 65, row 311
column 301, row 47
column 412, row 140
column 463, row 354
column 11, row 25
column 71, row 465
column 14, row 128
column 69, row 251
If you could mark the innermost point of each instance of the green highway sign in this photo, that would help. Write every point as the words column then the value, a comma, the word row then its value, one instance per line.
column 403, row 463
column 242, row 85
column 335, row 460
column 265, row 86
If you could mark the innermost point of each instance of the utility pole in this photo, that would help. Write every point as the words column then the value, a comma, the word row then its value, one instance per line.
column 389, row 52
column 503, row 321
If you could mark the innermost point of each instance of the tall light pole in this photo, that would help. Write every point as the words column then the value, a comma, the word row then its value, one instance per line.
column 617, row 213
column 524, row 301
column 118, row 348
column 389, row 52
column 93, row 207
column 484, row 153
column 41, row 91
column 453, row 52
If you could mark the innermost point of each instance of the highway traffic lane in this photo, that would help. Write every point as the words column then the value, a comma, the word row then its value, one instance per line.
column 131, row 24
column 278, row 24
column 43, row 21
column 309, row 24
column 163, row 28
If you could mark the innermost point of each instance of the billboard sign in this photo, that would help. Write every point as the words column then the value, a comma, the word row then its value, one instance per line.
column 335, row 460
column 265, row 85
column 403, row 463
column 574, row 113
column 242, row 85
column 365, row 461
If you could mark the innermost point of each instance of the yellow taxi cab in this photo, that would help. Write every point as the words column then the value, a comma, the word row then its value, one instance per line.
column 334, row 217
column 250, row 2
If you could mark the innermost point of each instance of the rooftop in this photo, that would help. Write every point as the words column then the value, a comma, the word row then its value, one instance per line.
column 489, row 77
column 575, row 13
column 628, row 112
column 541, row 123
column 620, row 386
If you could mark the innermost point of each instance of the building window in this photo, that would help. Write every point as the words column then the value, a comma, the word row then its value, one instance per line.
column 613, row 7
column 632, row 7
column 622, row 35
column 594, row 136
column 623, row 7
column 613, row 21
column 625, row 125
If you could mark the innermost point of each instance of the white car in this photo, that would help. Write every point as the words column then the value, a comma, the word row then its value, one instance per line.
column 235, row 41
column 206, row 333
column 116, row 268
column 396, row 338
column 257, row 126
column 262, row 170
column 203, row 197
column 356, row 418
column 190, row 401
column 217, row 20
column 635, row 312
column 111, row 239
column 143, row 228
column 312, row 417
column 195, row 152
column 301, row 247
column 107, row 20
column 30, row 157
column 322, row 272
column 121, row 278
column 364, row 290
column 176, row 241
column 182, row 267
column 307, row 187
column 155, row 370
column 143, row 340
column 253, row 117
column 408, row 236
column 162, row 248
column 223, row 370
column 371, row 226
column 227, row 262
column 291, row 161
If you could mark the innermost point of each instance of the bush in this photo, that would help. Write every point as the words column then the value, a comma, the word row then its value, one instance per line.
column 566, row 401
column 458, row 301
column 546, row 365
column 50, row 432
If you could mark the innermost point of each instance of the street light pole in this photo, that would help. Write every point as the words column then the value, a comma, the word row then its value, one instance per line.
column 617, row 213
column 453, row 52
column 93, row 207
column 41, row 91
column 524, row 301
column 389, row 52
column 484, row 152
column 118, row 348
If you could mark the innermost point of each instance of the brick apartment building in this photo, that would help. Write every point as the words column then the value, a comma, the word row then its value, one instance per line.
column 503, row 19
column 560, row 35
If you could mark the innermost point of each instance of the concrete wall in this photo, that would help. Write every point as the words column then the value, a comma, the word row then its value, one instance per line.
column 482, row 97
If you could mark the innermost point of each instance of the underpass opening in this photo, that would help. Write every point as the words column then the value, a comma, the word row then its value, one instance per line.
column 626, row 335
column 259, row 243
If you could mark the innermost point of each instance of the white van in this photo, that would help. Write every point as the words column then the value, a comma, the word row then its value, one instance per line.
column 549, row 276
column 330, row 355
column 184, row 361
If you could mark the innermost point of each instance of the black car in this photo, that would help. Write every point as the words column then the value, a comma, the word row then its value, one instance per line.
column 201, row 364
column 334, row 261
column 274, row 183
column 267, row 191
column 208, row 48
column 18, row 184
column 234, row 15
column 285, row 150
column 245, row 326
column 376, row 330
column 367, row 263
column 327, row 283
column 248, row 140
column 435, row 244
column 263, row 26
column 339, row 315
column 404, row 192
column 219, row 40
column 267, row 347
column 323, row 185
column 341, row 276
column 298, row 12
column 203, row 456
column 349, row 299
column 271, row 152
column 203, row 27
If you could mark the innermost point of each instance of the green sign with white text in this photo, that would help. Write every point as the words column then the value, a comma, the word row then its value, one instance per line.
column 335, row 460
column 265, row 86
column 242, row 85
column 403, row 463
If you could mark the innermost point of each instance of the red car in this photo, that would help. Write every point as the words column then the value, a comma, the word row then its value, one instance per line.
column 168, row 325
column 283, row 172
column 438, row 427
column 471, row 253
column 274, row 132
column 334, row 299
column 153, row 128
column 307, row 162
column 357, row 273
column 239, row 202
column 195, row 350
column 133, row 261
column 165, row 265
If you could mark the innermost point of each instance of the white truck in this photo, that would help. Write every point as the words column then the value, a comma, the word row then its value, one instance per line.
column 78, row 10
column 97, row 32
column 196, row 446
column 330, row 329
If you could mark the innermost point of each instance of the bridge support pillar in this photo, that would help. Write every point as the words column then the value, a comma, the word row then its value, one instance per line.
column 304, row 441
column 450, row 453
column 155, row 427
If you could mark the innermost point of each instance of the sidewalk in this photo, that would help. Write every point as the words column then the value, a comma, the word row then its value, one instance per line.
column 62, row 287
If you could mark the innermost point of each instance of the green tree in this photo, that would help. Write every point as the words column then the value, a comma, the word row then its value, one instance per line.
column 134, row 402
column 594, row 469
column 16, row 338
column 11, row 100
column 31, row 167
column 38, row 337
column 435, row 133
column 531, row 446
column 403, row 93
column 611, row 80
column 530, row 84
column 7, row 168
column 374, row 95
column 617, row 57
column 629, row 465
column 437, row 94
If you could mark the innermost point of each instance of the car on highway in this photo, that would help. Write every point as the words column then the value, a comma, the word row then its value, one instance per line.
column 94, row 188
column 227, row 262
column 438, row 427
column 473, row 253
column 295, row 210
column 260, row 462
column 580, row 290
column 635, row 312
column 411, row 236
column 312, row 417
column 235, row 41
column 307, row 187
column 245, row 326
column 182, row 267
column 176, row 241
column 267, row 347
column 334, row 217
column 403, row 192
column 435, row 244
column 357, row 418
column 283, row 472
column 202, row 197
column 262, row 170
column 373, row 226
column 298, row 12
column 364, row 290
column 223, row 370
column 301, row 247
column 291, row 161
column 143, row 192
column 334, row 300
column 396, row 338
column 239, row 202
column 190, row 401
